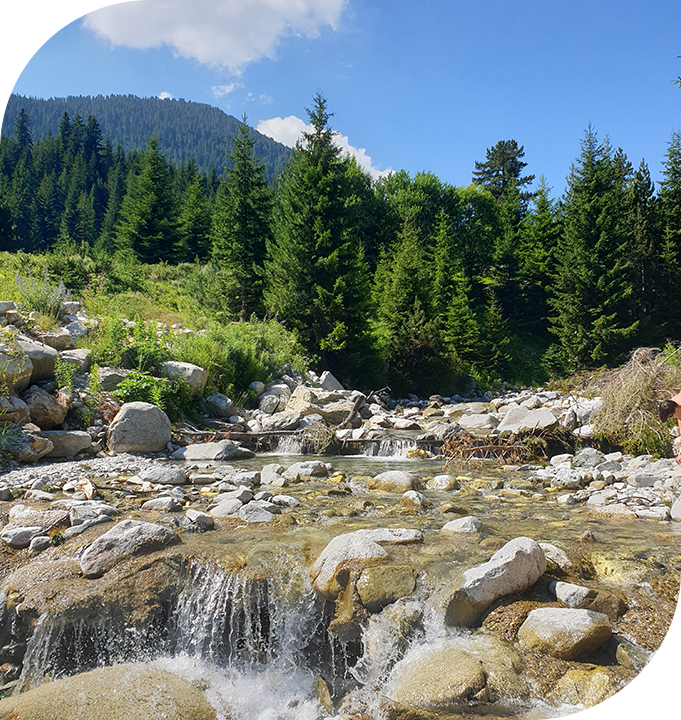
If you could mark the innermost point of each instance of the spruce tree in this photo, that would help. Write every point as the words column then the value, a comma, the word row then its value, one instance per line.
column 242, row 225
column 316, row 272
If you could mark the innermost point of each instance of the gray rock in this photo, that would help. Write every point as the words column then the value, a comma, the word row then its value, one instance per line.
column 194, row 376
column 59, row 339
column 14, row 410
column 219, row 405
column 567, row 478
column 67, row 443
column 31, row 445
column 328, row 382
column 481, row 421
column 19, row 537
column 214, row 451
column 676, row 509
column 557, row 556
column 229, row 507
column 200, row 518
column 139, row 427
column 163, row 504
column 110, row 378
column 468, row 524
column 81, row 358
column 273, row 479
column 522, row 418
column 15, row 369
column 164, row 474
column 46, row 410
column 587, row 458
column 85, row 525
column 643, row 479
column 38, row 544
column 563, row 632
column 513, row 568
column 285, row 420
column 254, row 513
column 128, row 537
column 42, row 358
column 574, row 596
column 395, row 481
column 308, row 468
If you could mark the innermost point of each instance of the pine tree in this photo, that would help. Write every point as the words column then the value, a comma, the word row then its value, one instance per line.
column 593, row 294
column 502, row 170
column 316, row 272
column 193, row 224
column 242, row 225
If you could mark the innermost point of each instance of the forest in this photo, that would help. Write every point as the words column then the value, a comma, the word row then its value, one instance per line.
column 405, row 281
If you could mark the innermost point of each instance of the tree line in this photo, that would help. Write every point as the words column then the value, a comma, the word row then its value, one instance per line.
column 405, row 280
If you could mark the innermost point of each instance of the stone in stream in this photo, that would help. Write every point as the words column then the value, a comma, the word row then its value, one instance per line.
column 227, row 508
column 164, row 474
column 395, row 481
column 128, row 537
column 352, row 552
column 414, row 500
column 383, row 585
column 307, row 468
column 564, row 633
column 139, row 427
column 574, row 596
column 212, row 451
column 522, row 418
column 163, row 504
column 443, row 482
column 200, row 518
column 513, row 568
column 119, row 692
column 468, row 524
column 588, row 686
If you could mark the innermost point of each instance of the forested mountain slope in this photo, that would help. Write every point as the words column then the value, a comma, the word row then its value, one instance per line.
column 184, row 129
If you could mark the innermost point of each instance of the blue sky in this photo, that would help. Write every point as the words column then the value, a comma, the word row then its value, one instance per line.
column 420, row 86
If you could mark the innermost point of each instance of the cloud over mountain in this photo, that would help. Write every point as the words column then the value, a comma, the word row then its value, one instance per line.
column 218, row 33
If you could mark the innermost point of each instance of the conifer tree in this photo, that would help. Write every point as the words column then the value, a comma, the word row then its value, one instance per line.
column 241, row 226
column 316, row 271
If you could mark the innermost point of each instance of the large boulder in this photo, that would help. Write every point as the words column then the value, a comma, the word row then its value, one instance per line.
column 139, row 427
column 352, row 552
column 31, row 445
column 522, row 418
column 193, row 375
column 67, row 443
column 565, row 633
column 119, row 692
column 15, row 369
column 42, row 358
column 213, row 451
column 46, row 410
column 59, row 339
column 128, row 537
column 81, row 358
column 164, row 474
column 513, row 568
column 395, row 481
column 286, row 420
column 14, row 410
column 219, row 405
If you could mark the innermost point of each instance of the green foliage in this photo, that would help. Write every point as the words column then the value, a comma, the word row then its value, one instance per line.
column 172, row 396
column 64, row 373
column 92, row 396
column 146, row 349
column 45, row 296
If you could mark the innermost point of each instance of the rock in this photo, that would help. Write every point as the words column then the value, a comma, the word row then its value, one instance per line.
column 110, row 378
column 194, row 376
column 353, row 552
column 31, row 445
column 38, row 544
column 254, row 513
column 328, row 382
column 468, row 524
column 46, row 410
column 406, row 424
column 308, row 468
column 676, row 509
column 617, row 570
column 414, row 500
column 67, row 443
column 14, row 410
column 286, row 420
column 80, row 358
column 139, row 427
column 443, row 482
column 163, row 504
column 128, row 537
column 59, row 339
column 213, row 451
column 20, row 537
column 166, row 474
column 219, row 405
column 587, row 687
column 229, row 507
column 42, row 358
column 274, row 479
column 200, row 518
column 556, row 556
column 380, row 586
column 482, row 421
column 567, row 478
column 395, row 481
column 15, row 369
column 574, row 596
column 513, row 568
column 76, row 329
column 564, row 633
column 119, row 692
column 587, row 458
column 257, row 387
column 522, row 418
column 7, row 306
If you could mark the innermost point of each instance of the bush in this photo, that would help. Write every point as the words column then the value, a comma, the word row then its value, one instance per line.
column 173, row 397
column 64, row 373
column 45, row 297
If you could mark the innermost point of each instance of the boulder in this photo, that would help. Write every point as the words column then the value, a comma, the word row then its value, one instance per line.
column 110, row 378
column 574, row 596
column 165, row 503
column 352, row 552
column 46, row 410
column 522, row 418
column 200, row 518
column 588, row 458
column 139, row 427
column 42, row 358
column 286, row 420
column 31, row 445
column 59, row 339
column 118, row 692
column 164, row 474
column 328, row 382
column 128, row 537
column 213, row 451
column 468, row 524
column 255, row 513
column 380, row 586
column 564, row 633
column 81, row 358
column 307, row 468
column 395, row 481
column 513, row 568
column 67, row 443
column 15, row 369
column 14, row 410
column 229, row 507
column 443, row 482
column 26, row 523
column 481, row 421
column 219, row 405
column 588, row 686
column 194, row 376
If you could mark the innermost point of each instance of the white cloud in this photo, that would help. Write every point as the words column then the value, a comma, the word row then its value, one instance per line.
column 265, row 99
column 218, row 33
column 165, row 96
column 289, row 129
column 222, row 90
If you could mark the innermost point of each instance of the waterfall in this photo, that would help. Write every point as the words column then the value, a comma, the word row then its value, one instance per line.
column 389, row 447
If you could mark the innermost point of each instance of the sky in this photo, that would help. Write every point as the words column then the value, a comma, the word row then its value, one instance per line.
column 420, row 86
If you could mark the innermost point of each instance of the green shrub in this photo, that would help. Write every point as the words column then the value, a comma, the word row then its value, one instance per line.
column 108, row 341
column 172, row 396
column 45, row 297
column 64, row 373
column 147, row 348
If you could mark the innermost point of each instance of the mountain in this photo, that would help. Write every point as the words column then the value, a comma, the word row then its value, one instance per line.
column 184, row 129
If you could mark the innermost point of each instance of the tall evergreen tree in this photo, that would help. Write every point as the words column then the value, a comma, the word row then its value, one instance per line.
column 593, row 294
column 316, row 271
column 242, row 225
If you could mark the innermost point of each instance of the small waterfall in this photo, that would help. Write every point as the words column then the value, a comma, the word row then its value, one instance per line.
column 389, row 447
column 288, row 445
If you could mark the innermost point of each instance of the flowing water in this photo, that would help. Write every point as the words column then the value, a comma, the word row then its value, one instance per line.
column 249, row 627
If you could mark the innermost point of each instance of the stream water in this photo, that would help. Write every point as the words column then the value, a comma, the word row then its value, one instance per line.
column 249, row 627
